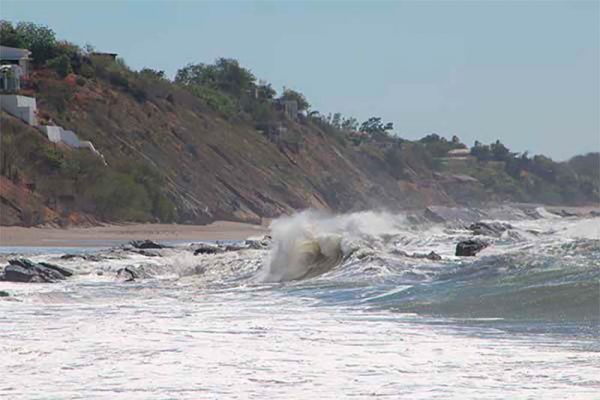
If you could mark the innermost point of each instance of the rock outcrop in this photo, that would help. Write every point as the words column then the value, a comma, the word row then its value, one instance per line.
column 469, row 248
column 146, row 244
column 127, row 275
column 489, row 228
column 24, row 270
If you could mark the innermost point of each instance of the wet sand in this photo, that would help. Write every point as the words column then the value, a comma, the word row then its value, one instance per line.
column 108, row 235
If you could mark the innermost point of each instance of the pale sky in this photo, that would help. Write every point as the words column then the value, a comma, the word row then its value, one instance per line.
column 527, row 73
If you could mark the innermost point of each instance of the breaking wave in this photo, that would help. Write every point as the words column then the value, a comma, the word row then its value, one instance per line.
column 543, row 267
column 538, row 266
column 312, row 243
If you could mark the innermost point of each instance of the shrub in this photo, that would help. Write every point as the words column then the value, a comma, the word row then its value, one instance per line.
column 87, row 71
column 49, row 156
column 117, row 79
column 215, row 99
column 61, row 65
column 58, row 95
column 116, row 196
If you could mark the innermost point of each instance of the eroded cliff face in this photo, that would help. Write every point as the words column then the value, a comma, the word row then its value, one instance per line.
column 216, row 168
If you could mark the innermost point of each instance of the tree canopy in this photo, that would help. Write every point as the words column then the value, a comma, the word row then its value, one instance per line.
column 225, row 74
column 375, row 127
column 289, row 94
column 38, row 39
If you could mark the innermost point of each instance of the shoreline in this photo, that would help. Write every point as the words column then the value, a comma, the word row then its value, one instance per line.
column 114, row 234
column 111, row 235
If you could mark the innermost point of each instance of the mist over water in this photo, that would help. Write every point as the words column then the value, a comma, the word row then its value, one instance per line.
column 340, row 305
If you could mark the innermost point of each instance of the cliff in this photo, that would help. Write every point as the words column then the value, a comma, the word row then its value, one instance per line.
column 194, row 154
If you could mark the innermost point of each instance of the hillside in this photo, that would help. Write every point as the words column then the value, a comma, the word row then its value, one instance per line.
column 215, row 145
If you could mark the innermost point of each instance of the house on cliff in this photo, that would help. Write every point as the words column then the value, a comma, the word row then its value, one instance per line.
column 18, row 57
column 458, row 161
column 14, row 65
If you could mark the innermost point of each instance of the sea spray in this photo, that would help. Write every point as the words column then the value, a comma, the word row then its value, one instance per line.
column 311, row 243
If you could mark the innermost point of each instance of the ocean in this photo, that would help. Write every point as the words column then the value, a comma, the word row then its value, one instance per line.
column 343, row 306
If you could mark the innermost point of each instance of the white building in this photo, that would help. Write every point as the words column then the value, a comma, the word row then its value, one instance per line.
column 15, row 56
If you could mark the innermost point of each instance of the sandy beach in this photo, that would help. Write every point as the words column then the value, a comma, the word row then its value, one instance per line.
column 109, row 235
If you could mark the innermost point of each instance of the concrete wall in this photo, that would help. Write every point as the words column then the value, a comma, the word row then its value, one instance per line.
column 53, row 133
column 57, row 134
column 21, row 107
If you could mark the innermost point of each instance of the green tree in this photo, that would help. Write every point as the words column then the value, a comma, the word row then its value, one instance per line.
column 225, row 74
column 336, row 120
column 265, row 91
column 481, row 151
column 350, row 124
column 376, row 128
column 8, row 35
column 39, row 39
column 499, row 151
column 61, row 65
column 152, row 73
column 292, row 95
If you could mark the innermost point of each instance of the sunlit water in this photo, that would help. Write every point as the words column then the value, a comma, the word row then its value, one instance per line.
column 520, row 321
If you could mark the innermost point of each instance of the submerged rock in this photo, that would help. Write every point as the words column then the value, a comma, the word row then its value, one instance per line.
column 563, row 213
column 87, row 257
column 469, row 248
column 261, row 244
column 432, row 255
column 127, row 274
column 206, row 248
column 146, row 244
column 24, row 270
column 489, row 228
column 148, row 253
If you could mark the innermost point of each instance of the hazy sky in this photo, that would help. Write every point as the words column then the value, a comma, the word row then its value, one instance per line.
column 524, row 72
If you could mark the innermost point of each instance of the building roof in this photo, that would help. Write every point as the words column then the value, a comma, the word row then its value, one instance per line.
column 459, row 152
column 13, row 53
column 104, row 54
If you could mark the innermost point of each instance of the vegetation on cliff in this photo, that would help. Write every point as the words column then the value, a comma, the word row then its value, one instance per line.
column 216, row 143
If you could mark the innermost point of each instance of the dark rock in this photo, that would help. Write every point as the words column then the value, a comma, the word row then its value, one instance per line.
column 261, row 244
column 24, row 270
column 469, row 248
column 532, row 213
column 4, row 293
column 22, row 262
column 204, row 248
column 595, row 213
column 563, row 213
column 87, row 257
column 433, row 256
column 148, row 253
column 489, row 228
column 62, row 270
column 146, row 244
column 127, row 274
column 236, row 247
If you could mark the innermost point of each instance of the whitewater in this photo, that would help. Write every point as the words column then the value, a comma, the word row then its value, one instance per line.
column 334, row 306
